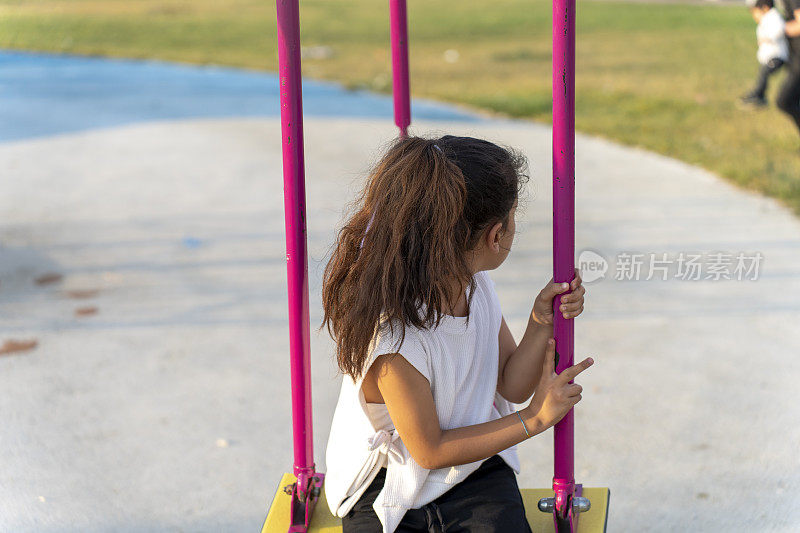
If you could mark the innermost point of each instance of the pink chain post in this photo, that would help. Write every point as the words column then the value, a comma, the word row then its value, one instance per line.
column 400, row 83
column 565, row 519
column 306, row 490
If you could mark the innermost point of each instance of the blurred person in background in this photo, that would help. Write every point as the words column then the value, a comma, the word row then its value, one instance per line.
column 773, row 48
column 789, row 95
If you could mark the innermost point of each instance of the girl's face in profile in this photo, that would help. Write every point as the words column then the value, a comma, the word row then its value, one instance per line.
column 511, row 230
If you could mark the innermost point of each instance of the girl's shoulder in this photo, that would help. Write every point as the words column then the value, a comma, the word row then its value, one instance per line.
column 408, row 341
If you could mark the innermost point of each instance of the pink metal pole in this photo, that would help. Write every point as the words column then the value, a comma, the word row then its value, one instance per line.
column 296, row 257
column 563, row 236
column 400, row 84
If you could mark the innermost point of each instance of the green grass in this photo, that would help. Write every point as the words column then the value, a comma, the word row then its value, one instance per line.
column 659, row 76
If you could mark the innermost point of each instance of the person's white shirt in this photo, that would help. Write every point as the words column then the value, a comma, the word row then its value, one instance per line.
column 771, row 34
column 460, row 361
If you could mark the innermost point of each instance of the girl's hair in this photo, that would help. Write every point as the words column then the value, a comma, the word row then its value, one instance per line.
column 431, row 199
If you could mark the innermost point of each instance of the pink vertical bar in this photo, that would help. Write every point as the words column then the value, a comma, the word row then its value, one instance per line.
column 294, row 195
column 400, row 84
column 563, row 229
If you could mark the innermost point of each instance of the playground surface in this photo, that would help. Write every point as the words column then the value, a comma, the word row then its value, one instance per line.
column 142, row 249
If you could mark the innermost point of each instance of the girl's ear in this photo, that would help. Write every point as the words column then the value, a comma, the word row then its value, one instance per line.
column 493, row 237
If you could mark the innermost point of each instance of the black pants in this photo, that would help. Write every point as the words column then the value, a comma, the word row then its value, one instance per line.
column 487, row 501
column 789, row 96
column 763, row 76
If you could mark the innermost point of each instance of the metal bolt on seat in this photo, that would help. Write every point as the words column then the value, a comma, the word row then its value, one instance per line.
column 579, row 504
column 546, row 505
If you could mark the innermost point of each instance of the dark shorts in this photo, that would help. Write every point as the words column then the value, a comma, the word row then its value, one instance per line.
column 488, row 500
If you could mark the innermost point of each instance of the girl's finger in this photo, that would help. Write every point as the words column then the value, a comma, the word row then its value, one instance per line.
column 569, row 374
column 577, row 281
column 550, row 357
column 570, row 307
column 574, row 296
column 573, row 314
column 552, row 289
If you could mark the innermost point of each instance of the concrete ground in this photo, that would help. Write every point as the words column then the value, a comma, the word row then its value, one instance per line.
column 146, row 260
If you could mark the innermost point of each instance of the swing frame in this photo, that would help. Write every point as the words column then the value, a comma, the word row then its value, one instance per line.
column 303, row 489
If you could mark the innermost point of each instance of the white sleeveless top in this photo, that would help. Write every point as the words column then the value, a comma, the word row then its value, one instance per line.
column 461, row 363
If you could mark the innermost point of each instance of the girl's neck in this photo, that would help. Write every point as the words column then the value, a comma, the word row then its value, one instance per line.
column 460, row 308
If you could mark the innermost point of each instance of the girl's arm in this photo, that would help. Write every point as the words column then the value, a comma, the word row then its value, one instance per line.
column 520, row 367
column 793, row 26
column 409, row 400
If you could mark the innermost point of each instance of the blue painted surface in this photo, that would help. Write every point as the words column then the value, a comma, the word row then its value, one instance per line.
column 46, row 94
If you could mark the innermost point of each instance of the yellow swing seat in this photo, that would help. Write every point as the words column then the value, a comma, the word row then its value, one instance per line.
column 592, row 521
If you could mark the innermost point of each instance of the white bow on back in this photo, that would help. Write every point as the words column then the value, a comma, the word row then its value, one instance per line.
column 384, row 442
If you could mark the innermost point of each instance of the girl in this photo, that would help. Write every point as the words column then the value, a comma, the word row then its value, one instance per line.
column 424, row 434
column 789, row 94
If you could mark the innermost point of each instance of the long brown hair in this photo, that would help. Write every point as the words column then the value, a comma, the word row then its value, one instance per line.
column 427, row 203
